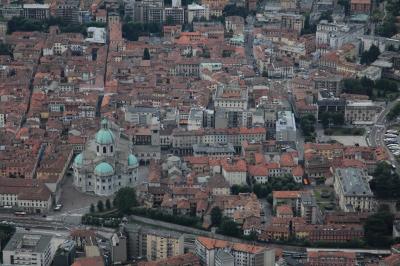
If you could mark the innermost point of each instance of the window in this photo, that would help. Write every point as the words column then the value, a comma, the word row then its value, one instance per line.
column 111, row 149
column 104, row 150
column 98, row 148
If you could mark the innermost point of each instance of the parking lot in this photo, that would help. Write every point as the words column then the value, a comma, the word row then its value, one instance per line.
column 392, row 140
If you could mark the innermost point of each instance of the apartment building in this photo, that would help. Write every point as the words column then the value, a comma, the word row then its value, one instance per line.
column 28, row 249
column 195, row 11
column 153, row 244
column 352, row 188
column 175, row 14
column 285, row 127
column 162, row 245
column 36, row 11
column 210, row 252
column 360, row 6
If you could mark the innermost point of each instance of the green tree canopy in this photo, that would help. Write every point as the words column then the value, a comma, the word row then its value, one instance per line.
column 125, row 199
column 368, row 57
column 378, row 229
column 100, row 206
column 108, row 204
column 146, row 54
column 229, row 227
column 386, row 182
column 216, row 216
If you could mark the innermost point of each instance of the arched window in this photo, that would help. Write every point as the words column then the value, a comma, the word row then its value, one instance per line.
column 104, row 150
column 98, row 148
column 112, row 149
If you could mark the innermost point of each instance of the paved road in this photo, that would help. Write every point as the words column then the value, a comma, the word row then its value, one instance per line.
column 376, row 136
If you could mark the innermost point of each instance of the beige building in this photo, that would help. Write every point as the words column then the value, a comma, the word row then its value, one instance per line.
column 360, row 112
column 352, row 188
column 162, row 245
column 218, row 252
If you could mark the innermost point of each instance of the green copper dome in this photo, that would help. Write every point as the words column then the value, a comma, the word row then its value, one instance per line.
column 78, row 160
column 104, row 136
column 132, row 161
column 104, row 169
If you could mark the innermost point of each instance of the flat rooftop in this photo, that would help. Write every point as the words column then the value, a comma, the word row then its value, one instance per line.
column 35, row 243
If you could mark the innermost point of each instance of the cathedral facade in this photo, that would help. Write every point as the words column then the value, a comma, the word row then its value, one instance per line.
column 106, row 163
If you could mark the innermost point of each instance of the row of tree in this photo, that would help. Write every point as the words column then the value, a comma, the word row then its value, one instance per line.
column 366, row 86
column 24, row 24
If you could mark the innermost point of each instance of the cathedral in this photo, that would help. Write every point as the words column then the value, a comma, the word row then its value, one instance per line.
column 106, row 163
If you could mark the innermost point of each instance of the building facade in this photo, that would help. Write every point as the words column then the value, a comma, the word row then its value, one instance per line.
column 106, row 164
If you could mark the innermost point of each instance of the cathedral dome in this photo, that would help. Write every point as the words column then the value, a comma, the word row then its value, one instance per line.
column 132, row 161
column 104, row 169
column 104, row 136
column 78, row 161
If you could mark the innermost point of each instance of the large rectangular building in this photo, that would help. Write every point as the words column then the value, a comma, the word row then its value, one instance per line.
column 352, row 188
column 360, row 112
column 285, row 127
column 28, row 249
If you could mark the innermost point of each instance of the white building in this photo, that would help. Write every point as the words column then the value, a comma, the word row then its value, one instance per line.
column 197, row 11
column 371, row 72
column 360, row 112
column 234, row 171
column 96, row 35
column 285, row 126
column 336, row 35
column 106, row 164
column 352, row 188
column 28, row 249
column 195, row 120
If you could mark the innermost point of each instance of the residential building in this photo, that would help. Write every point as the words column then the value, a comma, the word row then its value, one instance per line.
column 162, row 244
column 360, row 6
column 195, row 11
column 244, row 255
column 176, row 15
column 36, row 11
column 285, row 127
column 214, row 150
column 352, row 188
column 234, row 171
column 28, row 249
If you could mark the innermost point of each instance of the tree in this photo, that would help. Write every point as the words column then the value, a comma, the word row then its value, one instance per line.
column 92, row 208
column 229, row 227
column 125, row 199
column 386, row 182
column 368, row 57
column 236, row 189
column 108, row 204
column 307, row 123
column 378, row 229
column 346, row 5
column 146, row 54
column 394, row 112
column 326, row 15
column 100, row 206
column 216, row 216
